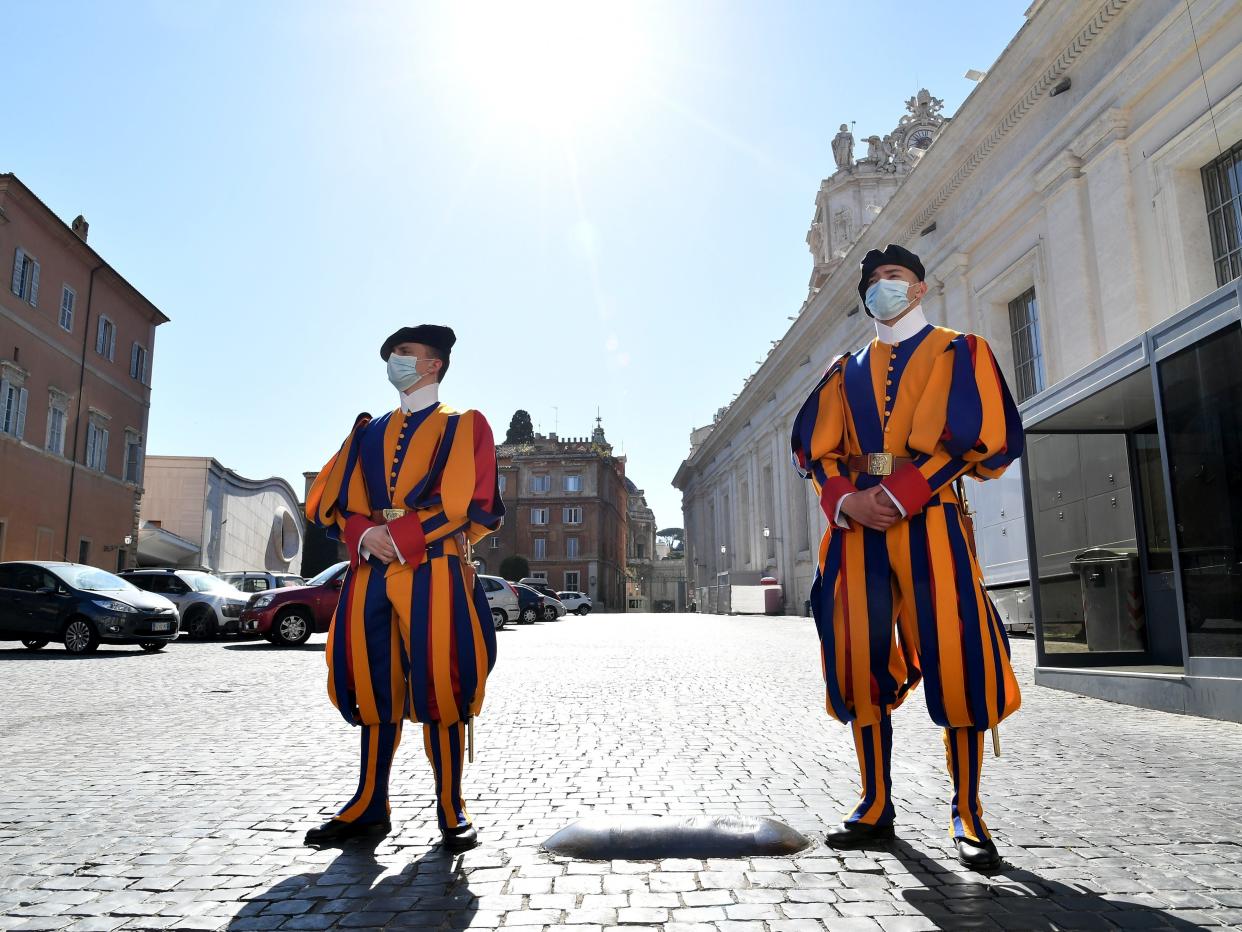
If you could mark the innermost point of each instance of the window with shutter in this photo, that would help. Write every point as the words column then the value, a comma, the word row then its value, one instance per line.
column 22, row 397
column 33, row 297
column 19, row 271
column 101, row 337
column 103, row 451
column 8, row 406
column 68, row 297
column 133, row 459
column 91, row 432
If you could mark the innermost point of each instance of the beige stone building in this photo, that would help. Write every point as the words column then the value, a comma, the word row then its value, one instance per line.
column 1081, row 211
column 197, row 512
column 77, row 343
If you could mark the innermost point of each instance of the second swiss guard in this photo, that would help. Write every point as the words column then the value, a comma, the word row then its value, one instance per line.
column 412, row 637
column 899, row 595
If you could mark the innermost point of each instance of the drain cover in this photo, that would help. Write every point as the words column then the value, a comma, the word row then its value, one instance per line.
column 602, row 838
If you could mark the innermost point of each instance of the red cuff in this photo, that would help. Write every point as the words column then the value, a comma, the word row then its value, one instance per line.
column 407, row 534
column 835, row 489
column 355, row 527
column 910, row 488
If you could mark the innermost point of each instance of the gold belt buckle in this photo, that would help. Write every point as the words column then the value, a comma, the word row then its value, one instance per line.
column 880, row 464
column 392, row 514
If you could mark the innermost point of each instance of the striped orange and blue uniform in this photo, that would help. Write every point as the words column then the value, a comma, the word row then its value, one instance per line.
column 414, row 639
column 909, row 604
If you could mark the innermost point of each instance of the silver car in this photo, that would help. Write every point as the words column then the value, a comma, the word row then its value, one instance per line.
column 208, row 605
column 502, row 598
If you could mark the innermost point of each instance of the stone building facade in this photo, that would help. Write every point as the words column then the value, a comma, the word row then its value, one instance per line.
column 77, row 344
column 640, row 549
column 1081, row 212
column 566, row 507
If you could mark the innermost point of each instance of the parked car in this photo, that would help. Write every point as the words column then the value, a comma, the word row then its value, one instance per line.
column 530, row 604
column 288, row 617
column 208, row 605
column 577, row 602
column 261, row 580
column 539, row 585
column 80, row 606
column 553, row 608
column 503, row 598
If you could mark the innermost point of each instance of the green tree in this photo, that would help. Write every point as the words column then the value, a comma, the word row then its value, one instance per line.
column 514, row 568
column 521, row 430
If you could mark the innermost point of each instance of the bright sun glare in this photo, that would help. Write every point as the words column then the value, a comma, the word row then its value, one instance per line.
column 551, row 64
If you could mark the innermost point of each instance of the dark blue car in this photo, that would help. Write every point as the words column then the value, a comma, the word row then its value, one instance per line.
column 530, row 604
column 80, row 606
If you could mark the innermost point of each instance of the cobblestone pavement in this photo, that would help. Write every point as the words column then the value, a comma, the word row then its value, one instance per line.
column 172, row 790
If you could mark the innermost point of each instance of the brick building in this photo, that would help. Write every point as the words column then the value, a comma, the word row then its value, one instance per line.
column 566, row 506
column 76, row 345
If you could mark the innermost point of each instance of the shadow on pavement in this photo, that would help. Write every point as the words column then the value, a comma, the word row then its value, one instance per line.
column 1015, row 898
column 263, row 645
column 52, row 652
column 356, row 891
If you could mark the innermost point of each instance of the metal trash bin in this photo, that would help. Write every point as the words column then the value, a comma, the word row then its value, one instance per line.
column 1112, row 599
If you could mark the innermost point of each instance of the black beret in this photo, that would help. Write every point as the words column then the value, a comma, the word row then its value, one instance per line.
column 433, row 335
column 892, row 255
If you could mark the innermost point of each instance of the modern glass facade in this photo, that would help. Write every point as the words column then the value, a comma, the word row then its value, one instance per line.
column 1134, row 517
column 1202, row 401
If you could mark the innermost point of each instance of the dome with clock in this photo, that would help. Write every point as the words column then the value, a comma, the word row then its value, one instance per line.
column 851, row 197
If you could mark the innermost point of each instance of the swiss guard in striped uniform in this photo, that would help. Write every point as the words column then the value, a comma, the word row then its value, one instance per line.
column 412, row 636
column 899, row 595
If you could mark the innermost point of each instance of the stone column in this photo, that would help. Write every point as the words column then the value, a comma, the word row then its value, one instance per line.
column 1072, row 269
column 1105, row 159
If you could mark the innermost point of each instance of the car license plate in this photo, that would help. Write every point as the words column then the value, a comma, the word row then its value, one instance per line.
column 161, row 625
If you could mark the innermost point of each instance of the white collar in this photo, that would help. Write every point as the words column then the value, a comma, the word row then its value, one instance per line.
column 904, row 329
column 420, row 398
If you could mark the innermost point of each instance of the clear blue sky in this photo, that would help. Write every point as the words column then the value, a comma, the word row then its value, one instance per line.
column 607, row 203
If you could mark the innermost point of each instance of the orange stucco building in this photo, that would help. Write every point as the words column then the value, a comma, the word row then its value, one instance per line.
column 76, row 347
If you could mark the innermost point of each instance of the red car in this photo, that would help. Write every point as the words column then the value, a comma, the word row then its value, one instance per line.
column 288, row 617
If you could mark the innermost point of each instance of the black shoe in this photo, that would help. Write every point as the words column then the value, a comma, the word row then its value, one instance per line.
column 978, row 855
column 860, row 835
column 335, row 831
column 462, row 838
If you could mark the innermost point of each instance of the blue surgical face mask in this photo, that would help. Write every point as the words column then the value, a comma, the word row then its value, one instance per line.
column 887, row 298
column 403, row 371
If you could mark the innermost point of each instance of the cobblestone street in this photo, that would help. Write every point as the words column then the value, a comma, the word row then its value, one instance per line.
column 172, row 791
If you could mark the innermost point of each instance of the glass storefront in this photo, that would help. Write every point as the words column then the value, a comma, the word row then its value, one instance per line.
column 1134, row 517
column 1086, row 543
column 1201, row 395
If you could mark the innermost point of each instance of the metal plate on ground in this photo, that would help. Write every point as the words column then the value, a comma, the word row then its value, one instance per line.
column 641, row 838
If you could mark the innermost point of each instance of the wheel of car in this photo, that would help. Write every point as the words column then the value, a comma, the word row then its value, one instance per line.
column 33, row 643
column 200, row 623
column 498, row 618
column 529, row 615
column 152, row 647
column 291, row 628
column 80, row 636
column 549, row 613
column 583, row 609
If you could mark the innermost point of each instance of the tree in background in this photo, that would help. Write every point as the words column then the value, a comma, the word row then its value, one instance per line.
column 521, row 430
column 514, row 568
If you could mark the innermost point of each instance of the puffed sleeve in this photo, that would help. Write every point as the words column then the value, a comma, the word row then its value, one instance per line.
column 338, row 499
column 818, row 441
column 965, row 424
column 468, row 498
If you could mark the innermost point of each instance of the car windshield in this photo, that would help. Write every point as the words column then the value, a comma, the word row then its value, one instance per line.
column 205, row 582
column 326, row 575
column 90, row 579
